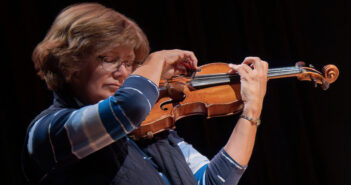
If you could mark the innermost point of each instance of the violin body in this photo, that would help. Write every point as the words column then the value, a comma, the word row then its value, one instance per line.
column 220, row 100
column 213, row 92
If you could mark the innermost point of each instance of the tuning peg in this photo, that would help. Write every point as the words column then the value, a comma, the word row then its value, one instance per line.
column 314, row 81
column 300, row 64
column 325, row 85
column 192, row 72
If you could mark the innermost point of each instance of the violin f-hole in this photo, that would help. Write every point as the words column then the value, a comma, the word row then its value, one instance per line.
column 170, row 101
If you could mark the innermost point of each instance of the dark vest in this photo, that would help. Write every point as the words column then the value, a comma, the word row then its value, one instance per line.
column 120, row 163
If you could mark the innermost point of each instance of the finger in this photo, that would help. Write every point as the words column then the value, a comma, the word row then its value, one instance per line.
column 241, row 69
column 251, row 60
column 180, row 69
column 191, row 58
column 233, row 68
column 262, row 67
column 187, row 65
column 266, row 65
column 258, row 65
column 185, row 58
column 247, row 68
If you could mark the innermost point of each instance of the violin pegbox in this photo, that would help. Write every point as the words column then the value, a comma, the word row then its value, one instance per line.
column 329, row 74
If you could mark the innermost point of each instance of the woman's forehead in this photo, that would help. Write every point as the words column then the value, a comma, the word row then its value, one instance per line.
column 119, row 50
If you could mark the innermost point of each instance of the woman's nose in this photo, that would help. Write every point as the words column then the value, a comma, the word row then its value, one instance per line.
column 121, row 72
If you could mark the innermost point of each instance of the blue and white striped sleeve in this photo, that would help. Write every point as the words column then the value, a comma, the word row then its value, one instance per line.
column 222, row 169
column 80, row 132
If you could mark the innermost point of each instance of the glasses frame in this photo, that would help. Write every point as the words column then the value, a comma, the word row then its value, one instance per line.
column 119, row 62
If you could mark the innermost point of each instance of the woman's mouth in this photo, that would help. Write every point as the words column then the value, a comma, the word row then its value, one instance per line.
column 113, row 87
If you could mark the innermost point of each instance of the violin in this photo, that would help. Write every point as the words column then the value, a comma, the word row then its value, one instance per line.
column 212, row 92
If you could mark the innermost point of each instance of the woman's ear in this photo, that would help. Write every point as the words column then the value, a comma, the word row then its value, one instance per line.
column 74, row 77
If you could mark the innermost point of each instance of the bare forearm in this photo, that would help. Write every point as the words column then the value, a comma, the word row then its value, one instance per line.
column 241, row 141
column 151, row 69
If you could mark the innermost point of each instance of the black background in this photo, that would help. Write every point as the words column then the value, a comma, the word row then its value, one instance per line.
column 304, row 135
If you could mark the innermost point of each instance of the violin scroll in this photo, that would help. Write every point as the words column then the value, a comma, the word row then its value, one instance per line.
column 331, row 73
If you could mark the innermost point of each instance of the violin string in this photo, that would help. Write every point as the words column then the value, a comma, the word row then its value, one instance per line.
column 271, row 72
column 283, row 71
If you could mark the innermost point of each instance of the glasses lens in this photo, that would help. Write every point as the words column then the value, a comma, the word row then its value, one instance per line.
column 108, row 63
column 112, row 65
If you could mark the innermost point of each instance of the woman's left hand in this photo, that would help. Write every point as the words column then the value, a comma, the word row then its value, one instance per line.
column 253, row 82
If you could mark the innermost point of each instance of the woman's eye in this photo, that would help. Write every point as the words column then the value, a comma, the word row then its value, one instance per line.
column 110, row 60
column 129, row 63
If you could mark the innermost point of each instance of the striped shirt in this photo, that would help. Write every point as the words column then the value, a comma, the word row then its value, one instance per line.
column 72, row 134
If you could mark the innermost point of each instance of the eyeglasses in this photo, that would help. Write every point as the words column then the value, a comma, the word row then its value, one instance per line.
column 109, row 64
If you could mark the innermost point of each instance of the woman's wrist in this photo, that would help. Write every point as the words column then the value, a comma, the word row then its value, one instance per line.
column 252, row 110
column 155, row 59
column 151, row 68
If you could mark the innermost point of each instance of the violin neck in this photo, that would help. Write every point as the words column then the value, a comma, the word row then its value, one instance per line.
column 283, row 72
column 203, row 81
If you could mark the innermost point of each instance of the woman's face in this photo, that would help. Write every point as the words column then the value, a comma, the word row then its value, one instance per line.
column 95, row 81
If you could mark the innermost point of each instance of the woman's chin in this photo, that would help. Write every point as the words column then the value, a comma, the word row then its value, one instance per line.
column 111, row 88
column 109, row 92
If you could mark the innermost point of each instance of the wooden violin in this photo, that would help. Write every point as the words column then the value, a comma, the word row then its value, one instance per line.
column 213, row 92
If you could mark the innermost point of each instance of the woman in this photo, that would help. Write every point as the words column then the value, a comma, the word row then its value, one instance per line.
column 97, row 63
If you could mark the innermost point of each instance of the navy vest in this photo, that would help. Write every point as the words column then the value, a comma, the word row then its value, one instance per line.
column 120, row 163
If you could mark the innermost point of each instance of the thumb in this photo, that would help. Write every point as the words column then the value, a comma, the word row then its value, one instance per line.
column 233, row 68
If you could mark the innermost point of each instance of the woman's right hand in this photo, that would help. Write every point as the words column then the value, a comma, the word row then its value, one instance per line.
column 175, row 62
column 167, row 63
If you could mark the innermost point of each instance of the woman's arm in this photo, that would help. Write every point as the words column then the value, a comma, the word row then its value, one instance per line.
column 253, row 73
column 230, row 163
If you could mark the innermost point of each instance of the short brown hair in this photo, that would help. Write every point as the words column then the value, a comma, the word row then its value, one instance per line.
column 78, row 31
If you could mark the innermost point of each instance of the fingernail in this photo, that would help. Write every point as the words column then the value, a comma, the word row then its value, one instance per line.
column 231, row 65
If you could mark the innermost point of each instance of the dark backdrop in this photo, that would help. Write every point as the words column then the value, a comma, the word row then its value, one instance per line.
column 304, row 135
